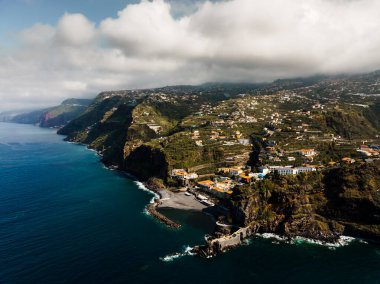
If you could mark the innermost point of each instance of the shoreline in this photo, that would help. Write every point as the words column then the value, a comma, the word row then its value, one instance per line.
column 166, row 199
column 162, row 198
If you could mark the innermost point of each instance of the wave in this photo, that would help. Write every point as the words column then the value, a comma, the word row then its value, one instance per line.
column 170, row 257
column 342, row 241
column 141, row 186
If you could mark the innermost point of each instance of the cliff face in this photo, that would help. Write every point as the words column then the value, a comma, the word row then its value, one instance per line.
column 318, row 205
column 54, row 116
column 146, row 162
column 143, row 131
column 104, row 126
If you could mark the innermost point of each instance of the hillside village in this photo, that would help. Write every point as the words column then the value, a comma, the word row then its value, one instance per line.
column 292, row 157
column 284, row 138
column 214, row 138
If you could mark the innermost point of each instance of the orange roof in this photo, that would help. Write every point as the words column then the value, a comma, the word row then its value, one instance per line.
column 242, row 175
column 236, row 168
column 206, row 182
column 221, row 190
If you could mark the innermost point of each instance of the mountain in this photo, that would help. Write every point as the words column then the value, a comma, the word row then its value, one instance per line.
column 55, row 116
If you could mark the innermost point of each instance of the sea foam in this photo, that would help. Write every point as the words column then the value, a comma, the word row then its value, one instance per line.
column 342, row 241
column 141, row 186
column 173, row 256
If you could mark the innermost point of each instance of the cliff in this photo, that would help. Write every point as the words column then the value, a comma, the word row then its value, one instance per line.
column 320, row 205
column 55, row 116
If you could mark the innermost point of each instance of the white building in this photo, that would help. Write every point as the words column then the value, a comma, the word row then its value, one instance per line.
column 293, row 171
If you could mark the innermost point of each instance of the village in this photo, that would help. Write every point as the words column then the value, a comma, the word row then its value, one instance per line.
column 282, row 138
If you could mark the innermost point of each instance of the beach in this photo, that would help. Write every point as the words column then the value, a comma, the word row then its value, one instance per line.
column 172, row 200
column 179, row 200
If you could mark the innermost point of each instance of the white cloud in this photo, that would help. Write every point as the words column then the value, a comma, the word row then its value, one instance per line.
column 75, row 29
column 145, row 46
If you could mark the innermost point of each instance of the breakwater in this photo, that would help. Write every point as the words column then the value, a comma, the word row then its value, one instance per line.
column 152, row 209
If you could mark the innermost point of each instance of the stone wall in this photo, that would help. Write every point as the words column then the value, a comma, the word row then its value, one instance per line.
column 232, row 240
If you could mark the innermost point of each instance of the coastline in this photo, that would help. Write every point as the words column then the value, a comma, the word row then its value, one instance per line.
column 164, row 198
column 167, row 199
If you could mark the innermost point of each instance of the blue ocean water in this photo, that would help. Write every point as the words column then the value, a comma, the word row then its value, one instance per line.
column 64, row 218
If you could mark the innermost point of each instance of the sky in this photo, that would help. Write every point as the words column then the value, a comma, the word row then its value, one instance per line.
column 53, row 50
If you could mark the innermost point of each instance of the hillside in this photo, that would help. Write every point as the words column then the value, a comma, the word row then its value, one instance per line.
column 220, row 135
column 192, row 126
column 55, row 116
column 318, row 205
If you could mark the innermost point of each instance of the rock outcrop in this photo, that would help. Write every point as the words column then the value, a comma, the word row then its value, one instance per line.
column 320, row 206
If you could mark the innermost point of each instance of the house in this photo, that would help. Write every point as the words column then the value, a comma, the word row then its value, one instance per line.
column 366, row 151
column 235, row 171
column 206, row 184
column 220, row 192
column 238, row 134
column 179, row 173
column 199, row 143
column 348, row 160
column 263, row 170
column 244, row 142
column 307, row 152
column 191, row 176
column 224, row 170
column 270, row 149
column 245, row 178
column 305, row 169
column 195, row 134
column 156, row 128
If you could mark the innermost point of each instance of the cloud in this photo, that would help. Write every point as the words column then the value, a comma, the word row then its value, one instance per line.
column 75, row 29
column 159, row 42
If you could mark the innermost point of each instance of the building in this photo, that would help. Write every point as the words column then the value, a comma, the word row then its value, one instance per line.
column 293, row 171
column 348, row 160
column 235, row 171
column 156, row 128
column 206, row 184
column 263, row 170
column 304, row 169
column 181, row 174
column 191, row 176
column 244, row 142
column 307, row 152
column 245, row 178
column 285, row 171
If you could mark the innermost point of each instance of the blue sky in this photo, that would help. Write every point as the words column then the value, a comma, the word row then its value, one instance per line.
column 51, row 50
column 16, row 15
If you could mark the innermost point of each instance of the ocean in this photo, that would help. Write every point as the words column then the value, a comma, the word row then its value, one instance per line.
column 65, row 218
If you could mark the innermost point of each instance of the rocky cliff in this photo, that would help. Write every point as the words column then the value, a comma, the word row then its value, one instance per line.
column 320, row 206
column 55, row 116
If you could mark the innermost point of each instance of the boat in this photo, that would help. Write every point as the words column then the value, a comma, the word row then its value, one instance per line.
column 201, row 197
column 208, row 203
